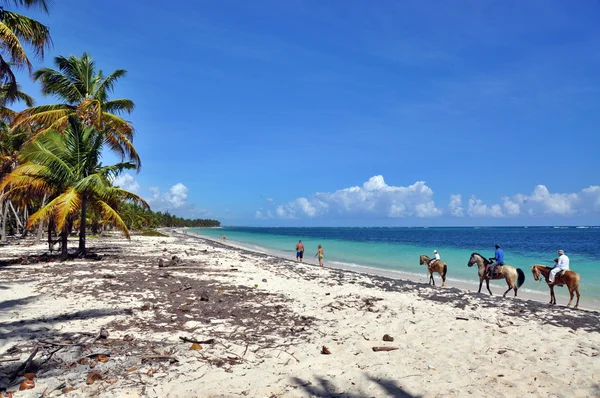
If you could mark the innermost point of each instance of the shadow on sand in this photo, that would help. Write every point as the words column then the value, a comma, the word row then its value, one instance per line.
column 326, row 389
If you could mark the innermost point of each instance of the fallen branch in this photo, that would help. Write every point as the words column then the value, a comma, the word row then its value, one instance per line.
column 460, row 318
column 25, row 364
column 159, row 358
column 187, row 340
column 376, row 349
column 10, row 359
column 60, row 344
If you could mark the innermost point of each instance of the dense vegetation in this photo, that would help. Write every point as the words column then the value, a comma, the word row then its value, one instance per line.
column 139, row 217
column 51, row 175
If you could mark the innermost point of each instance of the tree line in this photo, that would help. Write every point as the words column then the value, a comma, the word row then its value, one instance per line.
column 139, row 217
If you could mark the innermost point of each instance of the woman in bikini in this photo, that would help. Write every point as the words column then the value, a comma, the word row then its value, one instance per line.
column 320, row 253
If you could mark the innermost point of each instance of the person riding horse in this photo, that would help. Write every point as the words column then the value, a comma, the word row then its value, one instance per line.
column 560, row 264
column 436, row 257
column 497, row 260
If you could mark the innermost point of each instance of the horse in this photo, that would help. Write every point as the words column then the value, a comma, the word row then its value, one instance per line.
column 514, row 276
column 569, row 278
column 438, row 266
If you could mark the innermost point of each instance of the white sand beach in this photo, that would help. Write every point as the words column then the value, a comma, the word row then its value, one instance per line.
column 263, row 323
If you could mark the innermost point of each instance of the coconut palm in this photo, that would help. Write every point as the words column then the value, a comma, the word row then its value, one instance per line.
column 83, row 92
column 10, row 144
column 15, row 30
column 67, row 166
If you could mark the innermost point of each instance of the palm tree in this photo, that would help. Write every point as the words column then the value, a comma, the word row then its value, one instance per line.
column 16, row 29
column 10, row 144
column 68, row 165
column 83, row 92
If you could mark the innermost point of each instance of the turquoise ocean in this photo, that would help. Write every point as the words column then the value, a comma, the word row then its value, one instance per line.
column 398, row 249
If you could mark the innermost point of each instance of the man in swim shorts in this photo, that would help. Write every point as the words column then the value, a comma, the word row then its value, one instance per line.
column 299, row 251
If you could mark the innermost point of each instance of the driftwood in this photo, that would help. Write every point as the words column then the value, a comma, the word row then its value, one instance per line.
column 25, row 364
column 159, row 358
column 376, row 349
column 10, row 359
column 186, row 340
column 460, row 318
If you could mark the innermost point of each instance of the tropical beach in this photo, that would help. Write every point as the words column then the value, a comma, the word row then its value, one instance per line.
column 183, row 316
column 299, row 199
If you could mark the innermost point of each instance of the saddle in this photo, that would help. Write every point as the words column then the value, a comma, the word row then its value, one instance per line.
column 496, row 271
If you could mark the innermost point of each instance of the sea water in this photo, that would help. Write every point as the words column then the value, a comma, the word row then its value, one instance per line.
column 398, row 249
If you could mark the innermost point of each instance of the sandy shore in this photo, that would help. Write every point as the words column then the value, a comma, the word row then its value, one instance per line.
column 263, row 322
column 498, row 286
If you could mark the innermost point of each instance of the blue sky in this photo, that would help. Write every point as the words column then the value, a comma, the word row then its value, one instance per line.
column 270, row 112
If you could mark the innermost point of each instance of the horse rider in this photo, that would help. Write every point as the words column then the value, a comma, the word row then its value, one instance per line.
column 436, row 257
column 497, row 261
column 560, row 264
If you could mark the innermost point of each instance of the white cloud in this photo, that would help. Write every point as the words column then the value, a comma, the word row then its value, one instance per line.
column 542, row 202
column 378, row 199
column 127, row 182
column 374, row 197
column 476, row 208
column 455, row 206
column 175, row 198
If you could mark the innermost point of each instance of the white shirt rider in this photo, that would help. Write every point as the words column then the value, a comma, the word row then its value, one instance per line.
column 561, row 265
column 436, row 256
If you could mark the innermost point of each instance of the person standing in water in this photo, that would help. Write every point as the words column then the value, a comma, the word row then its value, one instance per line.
column 299, row 251
column 320, row 254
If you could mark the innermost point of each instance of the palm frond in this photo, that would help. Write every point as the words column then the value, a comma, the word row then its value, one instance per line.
column 112, row 216
column 29, row 30
column 67, row 204
column 118, row 106
column 49, row 116
column 57, row 84
column 10, row 44
column 107, row 85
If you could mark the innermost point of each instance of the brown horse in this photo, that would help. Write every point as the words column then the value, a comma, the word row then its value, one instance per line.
column 438, row 266
column 514, row 276
column 569, row 278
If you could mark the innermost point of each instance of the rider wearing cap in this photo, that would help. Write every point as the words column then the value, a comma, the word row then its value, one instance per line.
column 561, row 264
column 498, row 260
column 436, row 257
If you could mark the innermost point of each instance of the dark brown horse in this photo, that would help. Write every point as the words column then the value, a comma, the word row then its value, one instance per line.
column 437, row 266
column 569, row 278
column 514, row 276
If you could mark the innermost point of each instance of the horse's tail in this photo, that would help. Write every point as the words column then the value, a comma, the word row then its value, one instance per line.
column 445, row 270
column 520, row 277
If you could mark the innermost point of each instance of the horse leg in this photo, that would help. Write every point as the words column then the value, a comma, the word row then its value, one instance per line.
column 572, row 293
column 552, row 298
column 443, row 279
column 480, row 283
column 577, row 292
column 487, row 284
column 431, row 278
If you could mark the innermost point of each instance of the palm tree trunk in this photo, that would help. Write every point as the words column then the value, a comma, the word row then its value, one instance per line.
column 41, row 228
column 82, row 226
column 19, row 224
column 50, row 230
column 64, row 238
column 4, row 218
column 25, row 215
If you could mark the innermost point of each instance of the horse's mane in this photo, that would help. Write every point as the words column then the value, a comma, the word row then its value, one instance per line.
column 485, row 260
